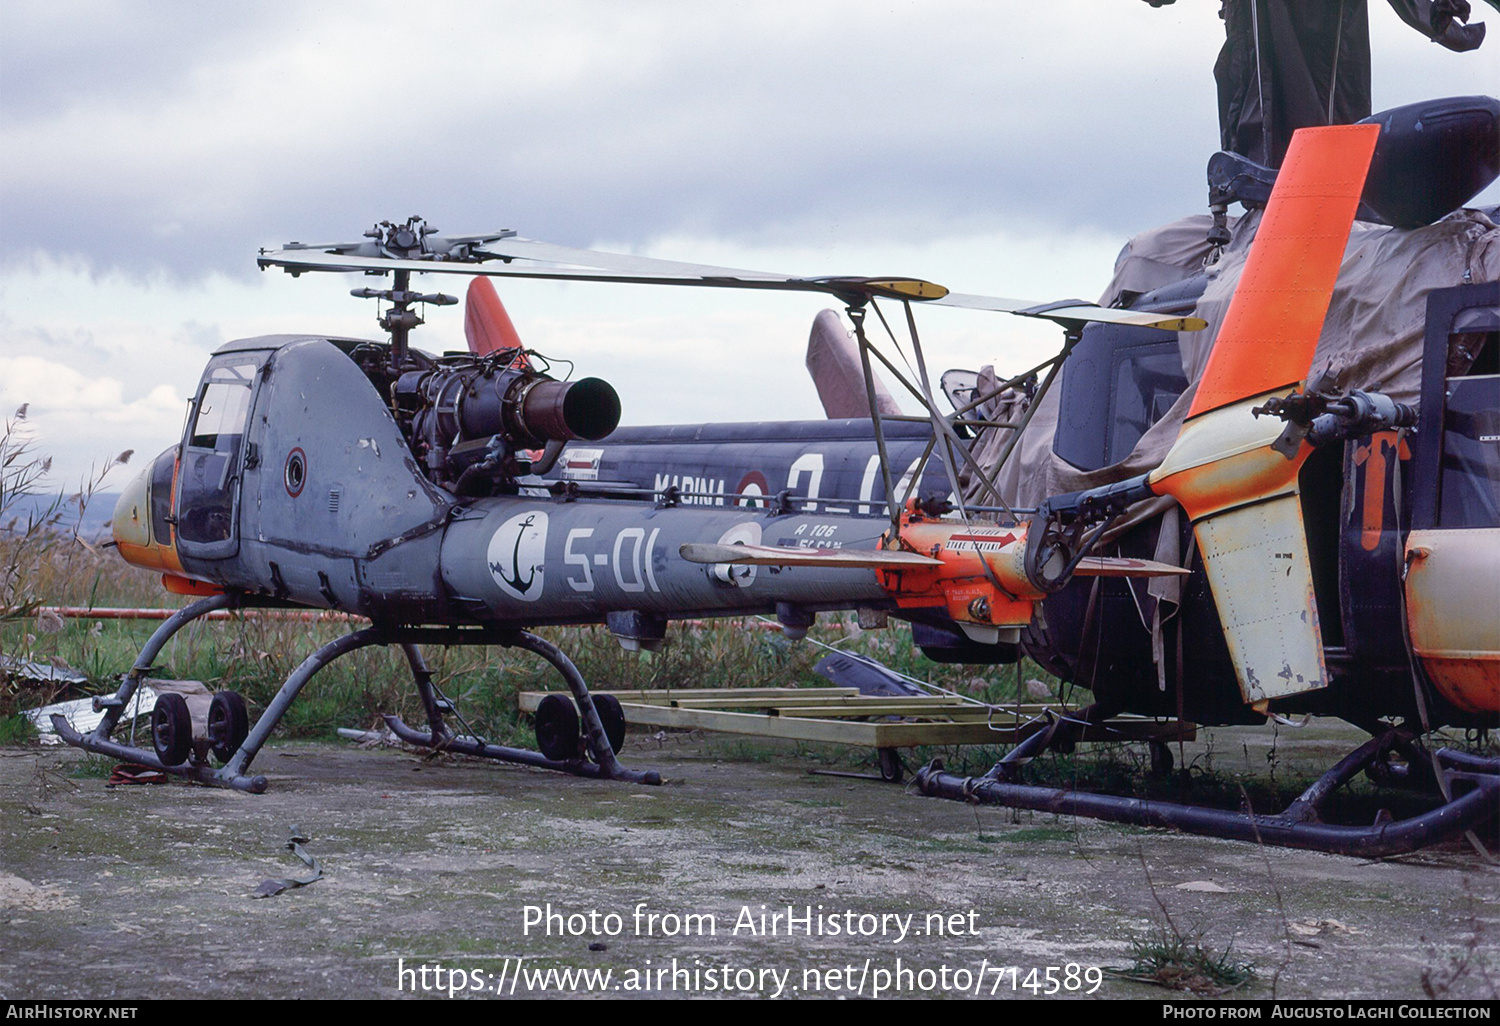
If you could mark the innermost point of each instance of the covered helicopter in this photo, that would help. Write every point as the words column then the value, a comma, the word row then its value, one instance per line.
column 426, row 512
column 1400, row 644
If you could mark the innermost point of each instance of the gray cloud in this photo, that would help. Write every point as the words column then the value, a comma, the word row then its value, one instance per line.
column 182, row 141
column 178, row 137
column 62, row 54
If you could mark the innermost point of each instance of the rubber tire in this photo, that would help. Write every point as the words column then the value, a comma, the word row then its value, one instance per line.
column 1161, row 759
column 612, row 717
column 891, row 768
column 228, row 724
column 171, row 729
column 557, row 728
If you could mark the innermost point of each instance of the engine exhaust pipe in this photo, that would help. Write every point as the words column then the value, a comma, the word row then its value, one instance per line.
column 587, row 409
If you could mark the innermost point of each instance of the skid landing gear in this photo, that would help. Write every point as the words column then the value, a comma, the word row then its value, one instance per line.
column 558, row 740
column 173, row 749
column 172, row 745
column 1473, row 781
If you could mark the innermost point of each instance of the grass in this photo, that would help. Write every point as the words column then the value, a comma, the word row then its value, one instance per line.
column 255, row 655
column 93, row 767
column 1181, row 963
column 1174, row 960
column 16, row 730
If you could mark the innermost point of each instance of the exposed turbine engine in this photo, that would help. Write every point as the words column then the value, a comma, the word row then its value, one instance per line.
column 475, row 422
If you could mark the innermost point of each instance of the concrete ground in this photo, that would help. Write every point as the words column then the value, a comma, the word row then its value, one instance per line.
column 144, row 892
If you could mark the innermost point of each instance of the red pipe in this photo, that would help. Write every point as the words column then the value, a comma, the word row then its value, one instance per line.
column 152, row 613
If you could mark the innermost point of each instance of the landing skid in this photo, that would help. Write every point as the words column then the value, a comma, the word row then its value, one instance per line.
column 235, row 772
column 1474, row 782
column 605, row 766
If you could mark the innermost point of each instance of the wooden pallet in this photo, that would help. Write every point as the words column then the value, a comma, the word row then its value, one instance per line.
column 844, row 716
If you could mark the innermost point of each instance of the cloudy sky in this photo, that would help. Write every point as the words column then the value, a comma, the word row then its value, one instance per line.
column 1001, row 148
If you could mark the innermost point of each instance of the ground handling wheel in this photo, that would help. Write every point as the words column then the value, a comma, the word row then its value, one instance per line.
column 228, row 724
column 171, row 729
column 557, row 728
column 1161, row 759
column 612, row 718
column 891, row 768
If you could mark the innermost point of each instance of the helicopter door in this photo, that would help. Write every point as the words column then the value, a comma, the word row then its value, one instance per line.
column 208, row 481
column 1453, row 550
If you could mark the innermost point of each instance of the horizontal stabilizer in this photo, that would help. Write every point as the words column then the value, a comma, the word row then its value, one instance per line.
column 768, row 555
column 1118, row 566
column 1074, row 311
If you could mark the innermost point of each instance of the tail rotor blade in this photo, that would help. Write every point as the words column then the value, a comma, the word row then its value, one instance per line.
column 1118, row 566
column 486, row 324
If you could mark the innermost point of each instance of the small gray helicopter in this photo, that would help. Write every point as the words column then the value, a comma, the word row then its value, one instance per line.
column 373, row 478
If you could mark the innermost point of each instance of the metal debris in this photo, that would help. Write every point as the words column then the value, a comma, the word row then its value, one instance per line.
column 30, row 672
column 269, row 888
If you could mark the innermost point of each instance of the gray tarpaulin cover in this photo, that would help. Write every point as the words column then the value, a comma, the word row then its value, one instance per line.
column 1371, row 339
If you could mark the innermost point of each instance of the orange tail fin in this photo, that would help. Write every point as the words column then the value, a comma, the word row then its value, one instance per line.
column 1276, row 315
column 486, row 324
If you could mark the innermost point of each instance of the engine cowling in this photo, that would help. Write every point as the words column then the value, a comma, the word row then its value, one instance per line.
column 466, row 412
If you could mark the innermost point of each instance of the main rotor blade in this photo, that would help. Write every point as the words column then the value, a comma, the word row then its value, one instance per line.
column 538, row 260
column 517, row 248
column 1074, row 310
column 528, row 258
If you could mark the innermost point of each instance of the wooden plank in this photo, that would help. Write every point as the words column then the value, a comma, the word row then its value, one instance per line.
column 820, row 714
column 893, row 707
column 530, row 699
column 790, row 727
column 843, row 706
column 885, row 734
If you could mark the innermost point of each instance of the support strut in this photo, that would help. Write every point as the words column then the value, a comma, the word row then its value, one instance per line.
column 114, row 706
column 1299, row 826
column 233, row 774
column 604, row 767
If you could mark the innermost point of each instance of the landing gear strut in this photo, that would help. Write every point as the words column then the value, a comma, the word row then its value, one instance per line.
column 561, row 732
column 1474, row 782
column 173, row 751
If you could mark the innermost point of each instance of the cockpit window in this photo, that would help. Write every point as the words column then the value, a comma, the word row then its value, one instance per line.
column 1471, row 453
column 222, row 407
column 209, row 476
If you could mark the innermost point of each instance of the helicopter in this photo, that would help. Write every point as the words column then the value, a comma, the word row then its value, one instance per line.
column 375, row 479
column 1400, row 645
column 426, row 511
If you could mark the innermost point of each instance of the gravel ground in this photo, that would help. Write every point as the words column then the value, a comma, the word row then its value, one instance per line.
column 139, row 892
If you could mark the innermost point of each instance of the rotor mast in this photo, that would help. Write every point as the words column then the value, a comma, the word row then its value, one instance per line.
column 401, row 242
